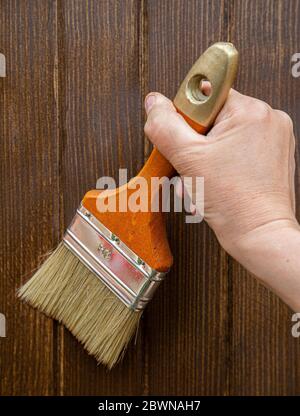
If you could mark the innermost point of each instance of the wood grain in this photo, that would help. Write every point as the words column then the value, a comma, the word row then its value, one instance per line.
column 186, row 323
column 263, row 352
column 72, row 111
column 29, row 164
column 102, row 128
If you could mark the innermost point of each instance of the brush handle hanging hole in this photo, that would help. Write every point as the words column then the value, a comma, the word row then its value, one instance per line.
column 198, row 89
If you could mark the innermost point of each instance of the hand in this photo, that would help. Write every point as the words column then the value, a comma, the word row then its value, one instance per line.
column 247, row 161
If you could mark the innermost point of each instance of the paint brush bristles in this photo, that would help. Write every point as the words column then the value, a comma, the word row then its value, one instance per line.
column 65, row 289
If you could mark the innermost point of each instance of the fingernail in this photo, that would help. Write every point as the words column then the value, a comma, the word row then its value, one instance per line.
column 150, row 100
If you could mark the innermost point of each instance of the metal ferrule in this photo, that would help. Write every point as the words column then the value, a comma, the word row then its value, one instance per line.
column 115, row 264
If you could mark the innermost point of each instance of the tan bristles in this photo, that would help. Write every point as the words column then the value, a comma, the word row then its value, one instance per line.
column 64, row 289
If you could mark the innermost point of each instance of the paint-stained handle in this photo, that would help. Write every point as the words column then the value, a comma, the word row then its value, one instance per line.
column 218, row 65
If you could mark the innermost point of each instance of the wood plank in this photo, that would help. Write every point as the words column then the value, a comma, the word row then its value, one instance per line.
column 102, row 132
column 186, row 324
column 264, row 355
column 29, row 172
column 72, row 105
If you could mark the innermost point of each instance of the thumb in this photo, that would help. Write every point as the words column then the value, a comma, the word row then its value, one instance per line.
column 167, row 129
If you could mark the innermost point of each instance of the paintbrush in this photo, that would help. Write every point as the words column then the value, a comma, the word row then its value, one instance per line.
column 109, row 264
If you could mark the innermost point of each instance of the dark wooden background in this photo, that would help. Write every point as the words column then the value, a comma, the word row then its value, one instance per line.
column 71, row 110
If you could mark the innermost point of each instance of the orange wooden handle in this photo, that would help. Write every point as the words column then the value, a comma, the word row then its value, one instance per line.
column 143, row 232
column 196, row 126
column 157, row 165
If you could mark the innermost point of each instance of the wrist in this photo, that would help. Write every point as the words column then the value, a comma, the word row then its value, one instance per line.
column 272, row 253
column 265, row 238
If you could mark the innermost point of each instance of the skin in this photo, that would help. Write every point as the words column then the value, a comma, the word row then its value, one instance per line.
column 247, row 161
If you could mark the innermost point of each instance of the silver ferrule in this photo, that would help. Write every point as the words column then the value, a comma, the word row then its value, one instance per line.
column 115, row 264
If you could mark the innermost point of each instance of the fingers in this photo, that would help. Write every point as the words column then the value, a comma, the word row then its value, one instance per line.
column 170, row 132
column 205, row 88
column 234, row 102
column 238, row 109
column 182, row 193
column 166, row 129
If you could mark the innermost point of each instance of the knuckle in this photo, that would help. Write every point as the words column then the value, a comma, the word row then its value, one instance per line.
column 260, row 111
column 153, row 125
column 255, row 110
column 293, row 143
column 293, row 146
column 286, row 119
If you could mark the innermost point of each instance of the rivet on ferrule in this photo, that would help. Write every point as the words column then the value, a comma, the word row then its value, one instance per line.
column 105, row 252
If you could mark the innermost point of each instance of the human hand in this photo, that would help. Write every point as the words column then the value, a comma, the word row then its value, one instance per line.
column 247, row 161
